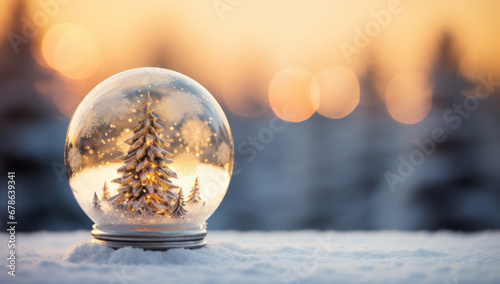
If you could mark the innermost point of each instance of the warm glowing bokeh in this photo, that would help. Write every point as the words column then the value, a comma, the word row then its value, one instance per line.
column 338, row 90
column 72, row 50
column 290, row 94
column 236, row 54
column 408, row 98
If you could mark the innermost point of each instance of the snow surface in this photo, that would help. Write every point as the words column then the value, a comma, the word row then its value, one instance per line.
column 264, row 257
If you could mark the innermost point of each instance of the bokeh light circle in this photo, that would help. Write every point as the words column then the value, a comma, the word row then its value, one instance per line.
column 338, row 90
column 72, row 50
column 291, row 96
column 408, row 97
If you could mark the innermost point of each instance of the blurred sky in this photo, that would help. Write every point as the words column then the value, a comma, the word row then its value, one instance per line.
column 257, row 54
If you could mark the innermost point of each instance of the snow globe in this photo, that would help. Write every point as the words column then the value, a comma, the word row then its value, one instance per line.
column 149, row 156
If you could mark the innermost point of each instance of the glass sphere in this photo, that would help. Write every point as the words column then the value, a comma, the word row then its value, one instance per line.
column 149, row 150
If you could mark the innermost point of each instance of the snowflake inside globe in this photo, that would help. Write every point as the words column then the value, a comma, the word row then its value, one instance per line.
column 149, row 157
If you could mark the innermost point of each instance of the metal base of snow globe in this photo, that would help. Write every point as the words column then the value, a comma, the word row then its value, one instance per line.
column 151, row 240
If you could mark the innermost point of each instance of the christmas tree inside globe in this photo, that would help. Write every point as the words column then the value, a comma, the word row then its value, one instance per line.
column 149, row 157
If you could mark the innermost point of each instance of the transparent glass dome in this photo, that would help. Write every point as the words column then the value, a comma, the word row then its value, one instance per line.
column 148, row 150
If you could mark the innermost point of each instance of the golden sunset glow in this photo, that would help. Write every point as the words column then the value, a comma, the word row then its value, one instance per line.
column 303, row 48
column 240, row 54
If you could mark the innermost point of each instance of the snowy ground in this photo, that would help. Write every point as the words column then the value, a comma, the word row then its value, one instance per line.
column 260, row 257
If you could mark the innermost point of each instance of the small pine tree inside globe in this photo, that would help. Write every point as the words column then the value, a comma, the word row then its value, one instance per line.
column 105, row 192
column 95, row 202
column 194, row 196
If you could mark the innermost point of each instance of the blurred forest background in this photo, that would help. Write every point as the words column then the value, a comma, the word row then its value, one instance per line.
column 324, row 98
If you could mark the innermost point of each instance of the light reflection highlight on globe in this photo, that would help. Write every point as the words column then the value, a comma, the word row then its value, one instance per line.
column 149, row 156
